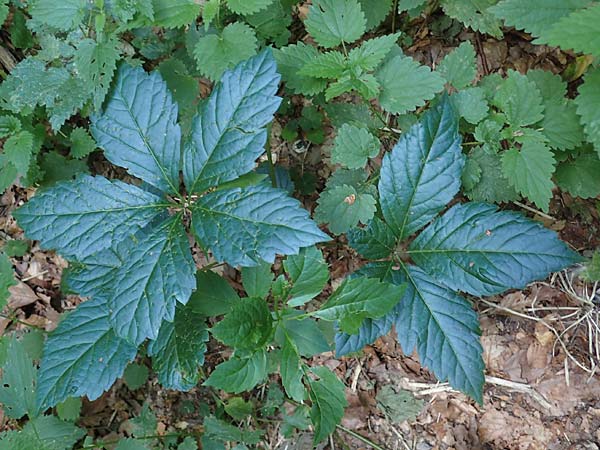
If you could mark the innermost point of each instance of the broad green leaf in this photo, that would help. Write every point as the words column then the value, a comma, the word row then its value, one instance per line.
column 248, row 226
column 343, row 207
column 9, row 125
column 372, row 51
column 422, row 172
column 375, row 11
column 89, row 214
column 64, row 15
column 248, row 326
column 217, row 53
column 328, row 402
column 474, row 14
column 520, row 100
column 577, row 31
column 96, row 63
column 237, row 375
column 246, row 7
column 257, row 280
column 7, row 279
column 561, row 125
column 158, row 272
column 551, row 86
column 178, row 350
column 331, row 22
column 18, row 149
column 529, row 171
column 491, row 185
column 580, row 176
column 136, row 375
column 82, row 144
column 535, row 16
column 43, row 433
column 308, row 273
column 83, row 356
column 459, row 66
column 587, row 106
column 444, row 329
column 291, row 371
column 229, row 132
column 477, row 249
column 470, row 104
column 70, row 409
column 175, row 13
column 304, row 333
column 405, row 84
column 325, row 65
column 359, row 299
column 375, row 241
column 138, row 130
column 17, row 385
column 290, row 60
column 214, row 296
column 353, row 146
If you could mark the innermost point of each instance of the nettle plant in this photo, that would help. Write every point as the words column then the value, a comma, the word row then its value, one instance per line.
column 129, row 245
column 472, row 248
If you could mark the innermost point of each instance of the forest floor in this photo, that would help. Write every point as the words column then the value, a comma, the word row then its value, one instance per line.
column 541, row 345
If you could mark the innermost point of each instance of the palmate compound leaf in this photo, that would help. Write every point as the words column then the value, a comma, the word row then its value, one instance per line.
column 477, row 249
column 178, row 350
column 83, row 356
column 89, row 214
column 422, row 172
column 229, row 132
column 138, row 128
column 245, row 226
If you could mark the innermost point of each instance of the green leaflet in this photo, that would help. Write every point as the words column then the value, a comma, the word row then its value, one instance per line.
column 587, row 101
column 372, row 52
column 290, row 60
column 291, row 371
column 520, row 100
column 331, row 22
column 475, row 14
column 7, row 278
column 353, row 146
column 257, row 280
column 44, row 432
column 580, row 177
column 308, row 273
column 375, row 11
column 375, row 241
column 490, row 184
column 178, row 350
column 237, row 375
column 328, row 402
column 18, row 149
column 214, row 296
column 17, row 385
column 83, row 356
column 82, row 144
column 64, row 15
column 458, row 67
column 96, row 63
column 246, row 7
column 175, row 13
column 561, row 125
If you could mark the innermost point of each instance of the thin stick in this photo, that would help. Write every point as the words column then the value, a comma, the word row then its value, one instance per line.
column 535, row 211
column 360, row 437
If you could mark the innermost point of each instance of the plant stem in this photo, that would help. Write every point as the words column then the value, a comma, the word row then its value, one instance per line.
column 272, row 173
column 360, row 437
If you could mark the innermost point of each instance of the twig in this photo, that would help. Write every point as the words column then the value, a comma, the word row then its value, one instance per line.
column 360, row 437
column 535, row 211
column 520, row 387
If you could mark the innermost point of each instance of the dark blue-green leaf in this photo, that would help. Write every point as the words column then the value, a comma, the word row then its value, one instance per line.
column 250, row 225
column 81, row 217
column 477, row 249
column 229, row 132
column 83, row 356
column 138, row 128
column 422, row 172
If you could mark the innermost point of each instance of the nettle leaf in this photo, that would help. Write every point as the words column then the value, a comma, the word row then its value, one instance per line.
column 246, row 7
column 83, row 356
column 64, row 15
column 561, row 125
column 372, row 51
column 175, row 13
column 577, row 31
column 247, row 327
column 245, row 226
column 580, row 176
column 343, row 207
column 325, row 65
column 353, row 146
column 328, row 402
column 229, row 132
column 158, row 271
column 82, row 144
column 96, row 63
column 215, row 54
column 308, row 273
column 178, row 351
column 475, row 14
column 535, row 16
column 18, row 149
column 358, row 299
column 587, row 106
column 405, row 84
column 530, row 170
column 375, row 241
column 331, row 22
column 520, row 100
column 375, row 11
column 491, row 185
column 459, row 66
column 237, row 375
column 477, row 249
column 44, row 433
column 471, row 104
column 257, row 280
column 551, row 86
column 291, row 371
column 138, row 128
column 17, row 385
column 290, row 61
column 422, row 172
column 89, row 214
